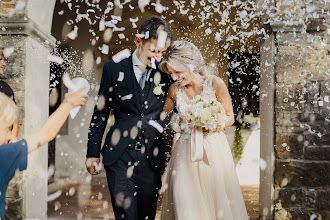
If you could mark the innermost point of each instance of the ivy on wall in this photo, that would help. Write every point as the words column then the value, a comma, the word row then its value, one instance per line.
column 238, row 143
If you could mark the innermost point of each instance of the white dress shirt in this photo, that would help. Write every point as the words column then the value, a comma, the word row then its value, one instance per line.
column 138, row 67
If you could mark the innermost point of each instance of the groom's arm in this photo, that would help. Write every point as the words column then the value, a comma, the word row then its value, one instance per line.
column 100, row 115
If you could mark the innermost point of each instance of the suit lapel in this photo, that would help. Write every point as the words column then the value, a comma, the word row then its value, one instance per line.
column 130, row 80
column 151, row 97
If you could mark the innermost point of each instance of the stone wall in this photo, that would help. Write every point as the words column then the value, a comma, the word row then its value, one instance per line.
column 15, row 76
column 8, row 8
column 302, row 134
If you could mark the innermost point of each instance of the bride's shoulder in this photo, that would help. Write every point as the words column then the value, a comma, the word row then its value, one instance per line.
column 171, row 91
column 217, row 82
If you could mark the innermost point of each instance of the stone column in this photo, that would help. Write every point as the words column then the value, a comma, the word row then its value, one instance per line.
column 28, row 75
column 302, row 135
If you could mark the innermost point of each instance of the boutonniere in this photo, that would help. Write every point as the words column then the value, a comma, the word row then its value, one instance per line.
column 158, row 89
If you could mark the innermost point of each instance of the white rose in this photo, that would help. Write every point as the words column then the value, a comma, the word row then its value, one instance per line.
column 158, row 90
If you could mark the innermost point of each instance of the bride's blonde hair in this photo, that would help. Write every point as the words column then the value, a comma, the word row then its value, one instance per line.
column 183, row 55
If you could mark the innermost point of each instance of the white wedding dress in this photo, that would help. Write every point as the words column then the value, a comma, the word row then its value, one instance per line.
column 200, row 190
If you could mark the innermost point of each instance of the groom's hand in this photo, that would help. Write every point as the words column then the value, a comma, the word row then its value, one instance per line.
column 90, row 165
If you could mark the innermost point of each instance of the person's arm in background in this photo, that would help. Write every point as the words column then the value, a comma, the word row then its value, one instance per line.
column 14, row 132
column 53, row 124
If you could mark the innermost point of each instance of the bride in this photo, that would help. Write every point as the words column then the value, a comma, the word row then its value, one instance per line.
column 200, row 181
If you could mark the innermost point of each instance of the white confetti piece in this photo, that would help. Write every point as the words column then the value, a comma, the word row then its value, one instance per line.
column 54, row 196
column 146, row 36
column 129, row 172
column 98, row 166
column 326, row 98
column 159, row 8
column 161, row 39
column 126, row 97
column 121, row 55
column 142, row 4
column 134, row 19
column 8, row 51
column 156, row 151
column 121, row 36
column 20, row 5
column 121, row 76
column 55, row 59
column 118, row 18
column 73, row 34
column 156, row 125
column 115, row 28
column 74, row 85
column 208, row 31
column 262, row 164
column 217, row 36
column 320, row 103
column 105, row 49
column 140, row 35
column 313, row 217
column 102, row 24
column 51, row 170
column 153, row 63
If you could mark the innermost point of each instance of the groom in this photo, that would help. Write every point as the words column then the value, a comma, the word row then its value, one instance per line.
column 134, row 90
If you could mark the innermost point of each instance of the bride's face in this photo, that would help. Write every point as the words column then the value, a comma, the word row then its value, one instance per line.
column 181, row 77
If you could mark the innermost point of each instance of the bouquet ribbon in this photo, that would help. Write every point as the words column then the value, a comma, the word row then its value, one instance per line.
column 197, row 145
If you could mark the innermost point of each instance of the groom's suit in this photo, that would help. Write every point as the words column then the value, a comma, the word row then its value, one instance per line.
column 132, row 108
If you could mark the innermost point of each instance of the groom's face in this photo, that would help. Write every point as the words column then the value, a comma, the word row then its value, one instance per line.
column 147, row 50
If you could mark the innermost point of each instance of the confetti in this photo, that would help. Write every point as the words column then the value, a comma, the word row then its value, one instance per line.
column 121, row 55
column 121, row 76
column 73, row 34
column 105, row 49
column 156, row 125
column 55, row 59
column 8, row 51
column 126, row 97
column 54, row 196
column 97, row 166
column 162, row 36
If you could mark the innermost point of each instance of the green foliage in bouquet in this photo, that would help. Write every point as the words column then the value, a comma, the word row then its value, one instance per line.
column 238, row 143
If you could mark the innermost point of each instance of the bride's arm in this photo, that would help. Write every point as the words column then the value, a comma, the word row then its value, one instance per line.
column 170, row 100
column 223, row 97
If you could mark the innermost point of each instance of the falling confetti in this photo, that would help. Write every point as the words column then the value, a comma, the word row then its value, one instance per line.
column 54, row 196
column 121, row 55
column 55, row 59
column 156, row 125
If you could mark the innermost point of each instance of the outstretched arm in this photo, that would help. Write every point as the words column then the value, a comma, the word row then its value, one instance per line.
column 53, row 124
column 223, row 97
column 14, row 132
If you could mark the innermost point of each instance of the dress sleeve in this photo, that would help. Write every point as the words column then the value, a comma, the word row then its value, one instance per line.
column 13, row 157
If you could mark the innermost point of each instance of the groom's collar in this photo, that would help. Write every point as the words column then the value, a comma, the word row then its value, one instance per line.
column 137, row 62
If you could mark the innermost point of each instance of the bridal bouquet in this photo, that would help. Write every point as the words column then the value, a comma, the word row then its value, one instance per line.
column 205, row 113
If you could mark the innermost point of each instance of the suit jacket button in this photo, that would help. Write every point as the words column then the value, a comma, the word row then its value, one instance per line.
column 142, row 115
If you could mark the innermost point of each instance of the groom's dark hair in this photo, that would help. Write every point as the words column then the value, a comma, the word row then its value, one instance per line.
column 152, row 25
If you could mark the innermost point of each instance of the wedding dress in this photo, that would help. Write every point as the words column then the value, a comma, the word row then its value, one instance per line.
column 203, row 190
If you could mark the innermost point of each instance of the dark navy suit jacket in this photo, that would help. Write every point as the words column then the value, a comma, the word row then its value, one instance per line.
column 131, row 118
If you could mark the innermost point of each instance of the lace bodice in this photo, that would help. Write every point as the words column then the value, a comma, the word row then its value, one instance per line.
column 182, row 100
column 184, row 104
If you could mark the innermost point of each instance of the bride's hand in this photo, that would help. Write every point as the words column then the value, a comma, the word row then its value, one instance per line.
column 207, row 131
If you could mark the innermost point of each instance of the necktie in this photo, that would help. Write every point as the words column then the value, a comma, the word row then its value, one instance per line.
column 142, row 81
